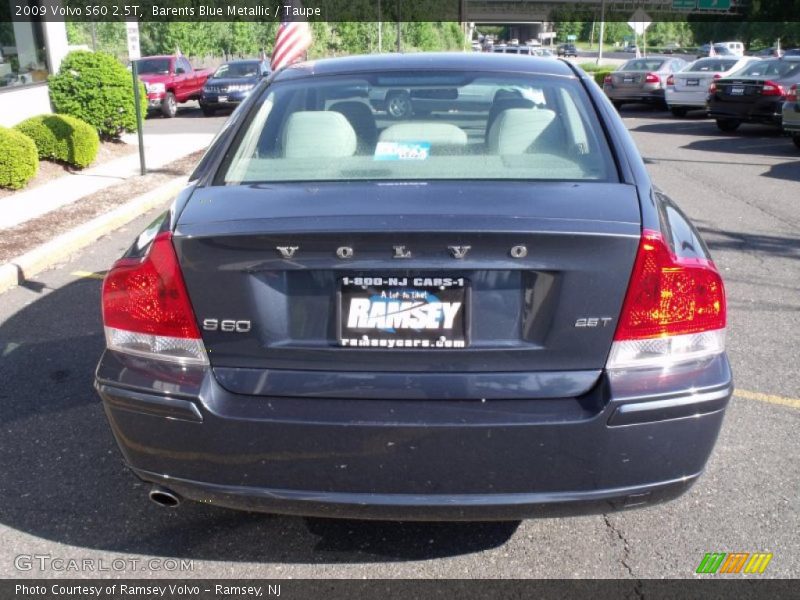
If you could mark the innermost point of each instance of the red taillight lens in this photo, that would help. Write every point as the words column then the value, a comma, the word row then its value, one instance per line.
column 717, row 76
column 712, row 89
column 671, row 80
column 792, row 95
column 674, row 310
column 146, row 308
column 651, row 78
column 608, row 79
column 668, row 295
column 770, row 88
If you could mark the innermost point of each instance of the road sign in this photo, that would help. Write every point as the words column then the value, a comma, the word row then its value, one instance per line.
column 132, row 28
column 684, row 4
column 713, row 4
column 640, row 21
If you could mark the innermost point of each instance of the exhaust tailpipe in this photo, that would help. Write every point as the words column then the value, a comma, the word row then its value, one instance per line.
column 164, row 497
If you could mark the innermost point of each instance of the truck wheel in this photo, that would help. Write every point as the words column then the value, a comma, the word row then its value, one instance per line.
column 728, row 125
column 398, row 105
column 679, row 111
column 796, row 139
column 169, row 106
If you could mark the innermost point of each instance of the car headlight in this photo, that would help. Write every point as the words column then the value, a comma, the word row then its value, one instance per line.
column 156, row 88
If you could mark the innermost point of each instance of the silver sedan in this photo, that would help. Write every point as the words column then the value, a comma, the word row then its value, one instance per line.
column 641, row 80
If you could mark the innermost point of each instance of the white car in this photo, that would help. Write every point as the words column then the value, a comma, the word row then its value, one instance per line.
column 688, row 88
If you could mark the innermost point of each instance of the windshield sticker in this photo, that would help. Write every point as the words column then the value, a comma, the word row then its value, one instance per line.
column 402, row 150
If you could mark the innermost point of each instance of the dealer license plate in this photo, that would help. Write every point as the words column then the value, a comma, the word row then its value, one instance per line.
column 408, row 312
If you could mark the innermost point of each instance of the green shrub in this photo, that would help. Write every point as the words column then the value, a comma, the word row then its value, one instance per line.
column 63, row 138
column 95, row 88
column 18, row 161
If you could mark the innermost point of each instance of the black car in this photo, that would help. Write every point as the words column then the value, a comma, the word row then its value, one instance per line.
column 332, row 320
column 231, row 83
column 753, row 95
column 567, row 50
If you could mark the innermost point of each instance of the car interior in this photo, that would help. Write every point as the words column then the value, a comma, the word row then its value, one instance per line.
column 522, row 129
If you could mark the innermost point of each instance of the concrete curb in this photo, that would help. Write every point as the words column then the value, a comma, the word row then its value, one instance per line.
column 57, row 250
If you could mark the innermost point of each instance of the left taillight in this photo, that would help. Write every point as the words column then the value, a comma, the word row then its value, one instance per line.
column 146, row 308
column 671, row 80
column 792, row 95
column 674, row 309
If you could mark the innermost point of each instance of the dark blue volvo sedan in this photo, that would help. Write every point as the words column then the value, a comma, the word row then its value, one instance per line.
column 485, row 312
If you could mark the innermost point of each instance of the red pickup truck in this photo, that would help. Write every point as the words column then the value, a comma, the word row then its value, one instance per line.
column 170, row 80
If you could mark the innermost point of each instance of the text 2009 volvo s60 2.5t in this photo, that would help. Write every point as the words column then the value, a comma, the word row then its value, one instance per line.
column 479, row 314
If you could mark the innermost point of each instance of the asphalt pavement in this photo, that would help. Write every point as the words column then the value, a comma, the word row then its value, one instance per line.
column 66, row 493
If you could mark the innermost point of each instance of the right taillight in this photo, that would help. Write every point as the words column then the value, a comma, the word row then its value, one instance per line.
column 146, row 308
column 712, row 89
column 791, row 96
column 674, row 309
column 770, row 88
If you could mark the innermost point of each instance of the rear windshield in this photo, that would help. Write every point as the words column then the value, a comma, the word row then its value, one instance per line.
column 770, row 68
column 712, row 65
column 422, row 125
column 642, row 64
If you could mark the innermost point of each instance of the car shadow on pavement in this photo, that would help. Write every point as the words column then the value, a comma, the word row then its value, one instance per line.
column 64, row 480
column 773, row 245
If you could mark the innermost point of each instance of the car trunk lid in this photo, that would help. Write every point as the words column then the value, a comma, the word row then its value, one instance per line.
column 544, row 273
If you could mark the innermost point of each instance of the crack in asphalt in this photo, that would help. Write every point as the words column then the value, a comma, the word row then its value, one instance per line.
column 626, row 554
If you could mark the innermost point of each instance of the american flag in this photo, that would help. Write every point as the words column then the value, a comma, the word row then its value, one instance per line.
column 291, row 42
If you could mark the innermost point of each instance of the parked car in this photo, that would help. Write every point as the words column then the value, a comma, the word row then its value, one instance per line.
column 671, row 47
column 688, row 88
column 231, row 83
column 791, row 115
column 543, row 52
column 755, row 94
column 719, row 50
column 567, row 50
column 633, row 48
column 316, row 330
column 169, row 81
column 641, row 80
column 736, row 48
column 767, row 52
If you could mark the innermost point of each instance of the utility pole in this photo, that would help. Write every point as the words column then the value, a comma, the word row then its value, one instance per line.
column 380, row 29
column 602, row 31
column 399, row 34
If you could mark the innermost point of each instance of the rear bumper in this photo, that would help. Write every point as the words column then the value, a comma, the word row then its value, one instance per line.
column 630, row 441
column 791, row 117
column 642, row 94
column 765, row 112
column 694, row 99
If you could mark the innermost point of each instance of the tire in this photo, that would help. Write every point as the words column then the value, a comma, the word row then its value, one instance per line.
column 728, row 125
column 398, row 105
column 796, row 139
column 679, row 111
column 169, row 106
column 208, row 111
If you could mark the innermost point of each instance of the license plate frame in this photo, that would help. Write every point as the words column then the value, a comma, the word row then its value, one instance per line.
column 222, row 99
column 399, row 326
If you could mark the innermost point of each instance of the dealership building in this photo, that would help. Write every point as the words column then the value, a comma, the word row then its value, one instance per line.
column 29, row 52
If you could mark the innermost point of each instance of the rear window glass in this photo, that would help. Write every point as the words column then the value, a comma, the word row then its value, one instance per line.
column 421, row 126
column 770, row 68
column 712, row 65
column 153, row 66
column 642, row 64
